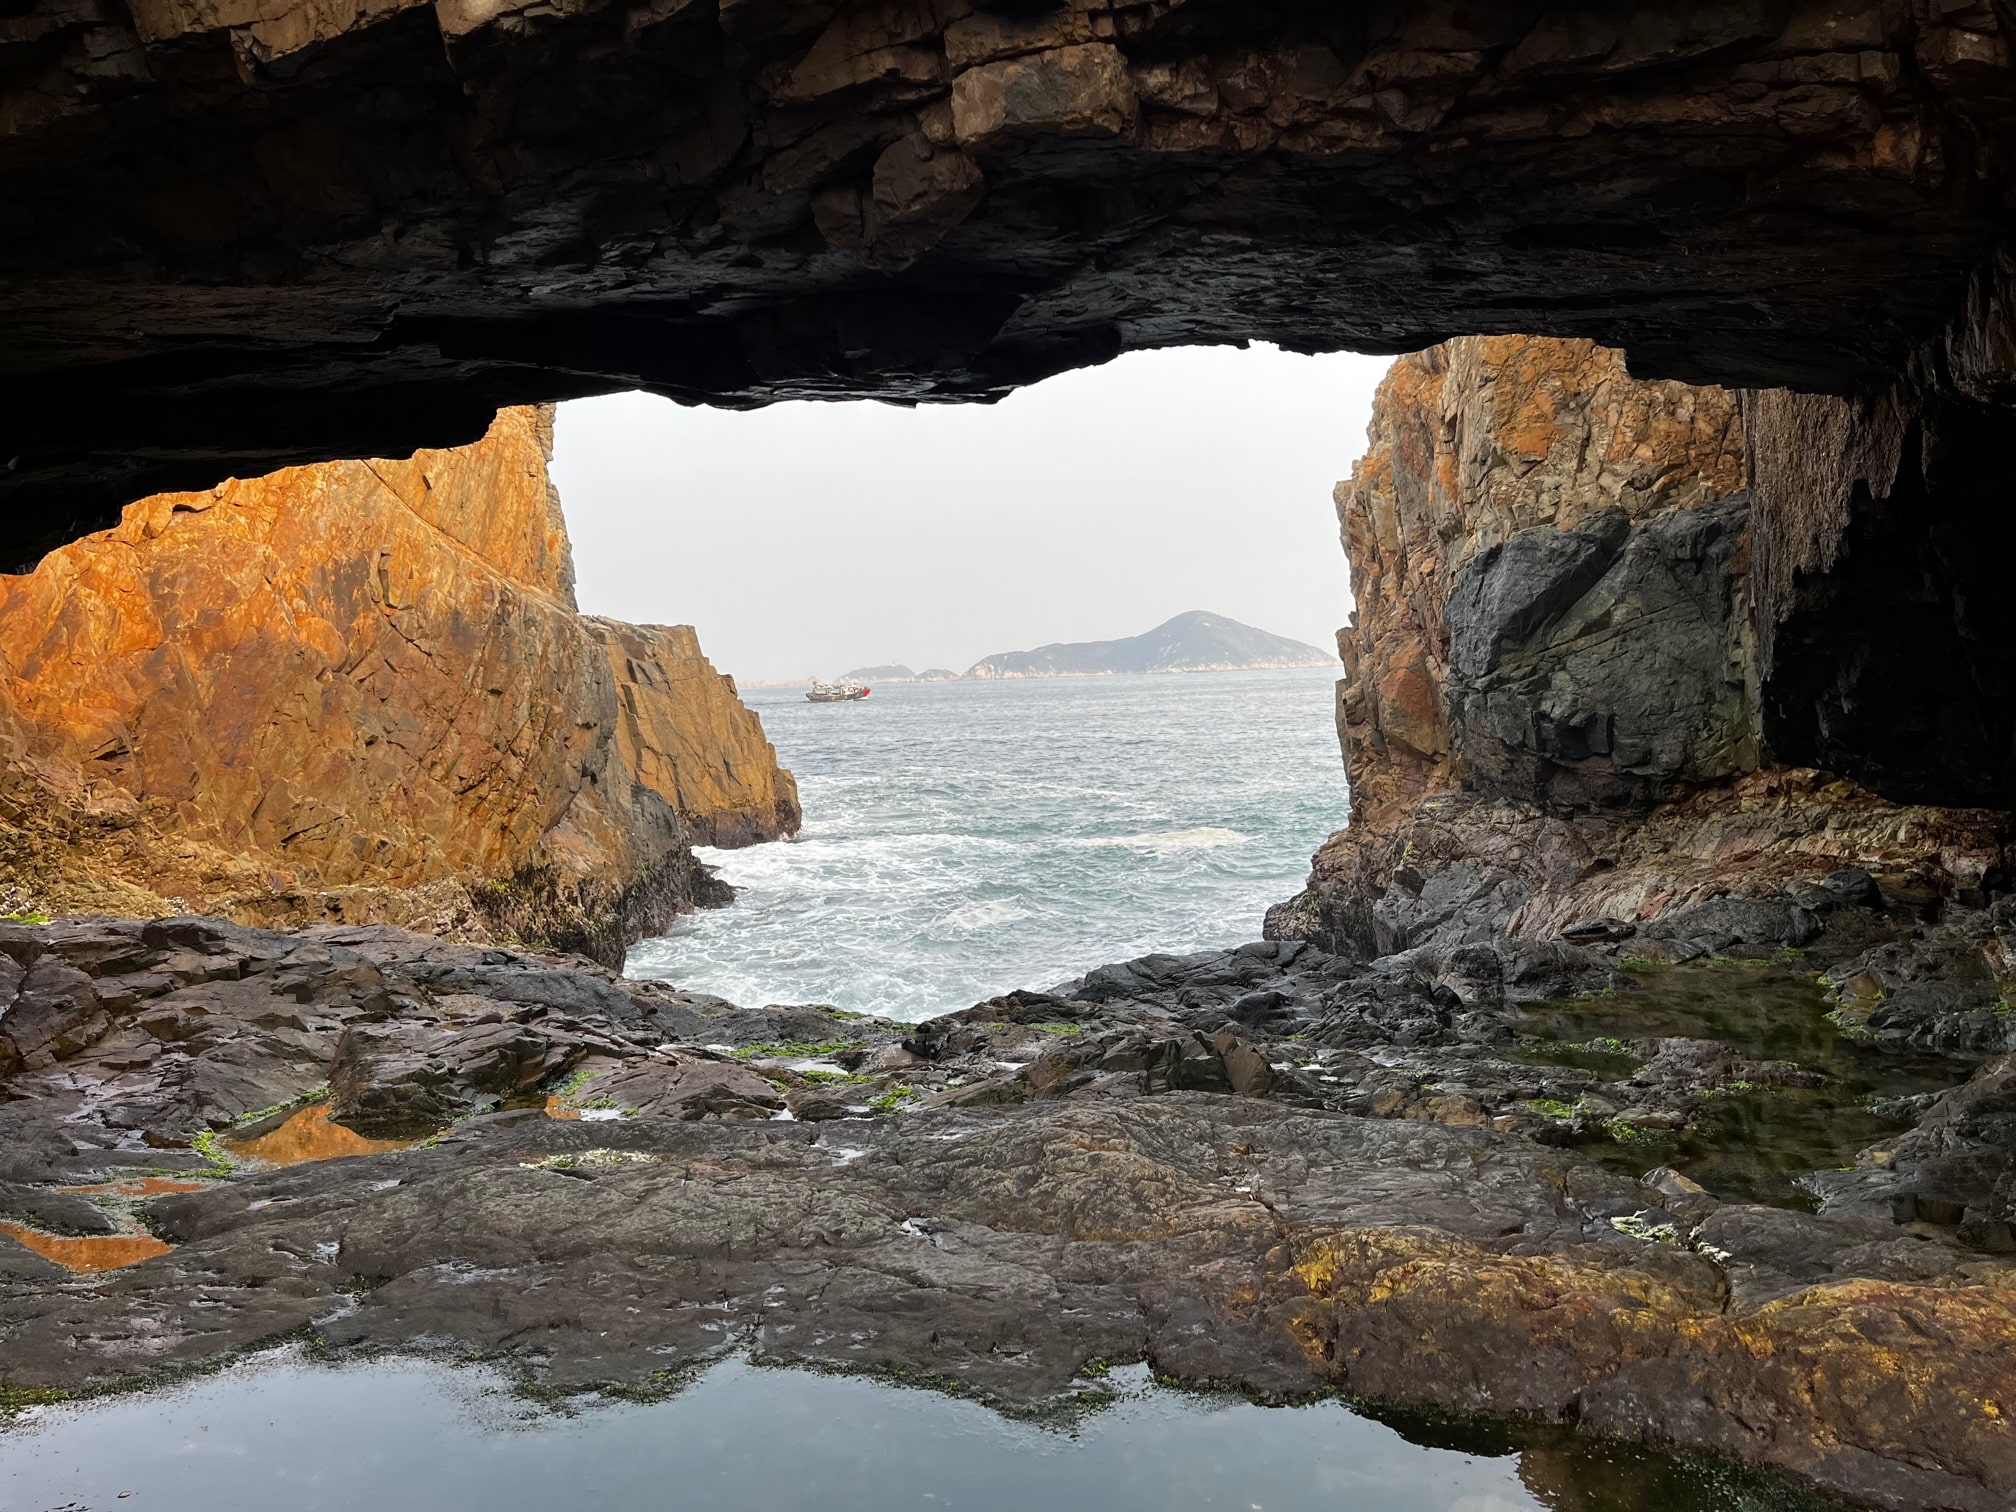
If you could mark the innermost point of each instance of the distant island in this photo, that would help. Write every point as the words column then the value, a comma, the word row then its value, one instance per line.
column 899, row 673
column 1193, row 642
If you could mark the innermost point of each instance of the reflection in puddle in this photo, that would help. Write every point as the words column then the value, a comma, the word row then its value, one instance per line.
column 141, row 1186
column 740, row 1438
column 560, row 1107
column 106, row 1252
column 309, row 1135
column 88, row 1256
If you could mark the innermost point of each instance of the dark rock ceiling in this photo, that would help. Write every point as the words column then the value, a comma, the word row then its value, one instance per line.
column 243, row 233
column 238, row 234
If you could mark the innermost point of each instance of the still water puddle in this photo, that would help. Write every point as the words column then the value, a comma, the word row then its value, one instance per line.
column 96, row 1253
column 1747, row 1143
column 141, row 1186
column 284, row 1433
column 309, row 1135
column 88, row 1256
column 302, row 1136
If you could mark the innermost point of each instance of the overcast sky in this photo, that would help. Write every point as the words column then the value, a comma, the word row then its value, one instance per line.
column 807, row 539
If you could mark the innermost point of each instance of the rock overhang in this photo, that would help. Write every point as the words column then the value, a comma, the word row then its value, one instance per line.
column 247, row 234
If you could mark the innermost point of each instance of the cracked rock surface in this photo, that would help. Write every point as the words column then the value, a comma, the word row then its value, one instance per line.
column 363, row 693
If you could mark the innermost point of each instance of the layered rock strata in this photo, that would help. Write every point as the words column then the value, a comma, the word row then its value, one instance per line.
column 763, row 197
column 362, row 691
column 1553, row 703
column 1270, row 1168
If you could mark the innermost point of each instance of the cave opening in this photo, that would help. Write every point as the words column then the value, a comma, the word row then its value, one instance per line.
column 970, row 828
column 1897, row 660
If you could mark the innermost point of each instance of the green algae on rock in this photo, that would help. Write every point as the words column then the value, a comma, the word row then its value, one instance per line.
column 1792, row 1096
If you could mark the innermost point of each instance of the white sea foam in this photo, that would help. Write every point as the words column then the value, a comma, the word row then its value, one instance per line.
column 1202, row 837
column 988, row 915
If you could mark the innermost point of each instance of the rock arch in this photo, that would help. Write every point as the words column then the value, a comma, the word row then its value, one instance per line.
column 246, row 233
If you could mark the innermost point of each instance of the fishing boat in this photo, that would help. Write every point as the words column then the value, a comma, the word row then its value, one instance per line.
column 840, row 692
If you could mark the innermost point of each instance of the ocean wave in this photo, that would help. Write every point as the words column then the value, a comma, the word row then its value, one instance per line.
column 1016, row 842
column 991, row 914
column 1203, row 837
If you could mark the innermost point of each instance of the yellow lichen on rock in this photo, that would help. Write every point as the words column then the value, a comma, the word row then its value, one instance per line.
column 1859, row 1369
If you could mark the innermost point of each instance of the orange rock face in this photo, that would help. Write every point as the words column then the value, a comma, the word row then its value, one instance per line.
column 683, row 733
column 357, row 691
column 1471, row 442
column 1533, row 488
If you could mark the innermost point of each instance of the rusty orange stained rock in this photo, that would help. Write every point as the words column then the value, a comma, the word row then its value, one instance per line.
column 309, row 1136
column 319, row 694
column 90, row 1255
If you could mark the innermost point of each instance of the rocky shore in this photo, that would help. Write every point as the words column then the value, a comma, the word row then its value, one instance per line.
column 1639, row 1057
column 1271, row 1168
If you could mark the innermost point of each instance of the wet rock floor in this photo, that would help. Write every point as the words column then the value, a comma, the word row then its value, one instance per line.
column 1493, row 1183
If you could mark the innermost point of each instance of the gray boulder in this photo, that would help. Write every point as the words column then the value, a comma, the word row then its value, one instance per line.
column 1601, row 666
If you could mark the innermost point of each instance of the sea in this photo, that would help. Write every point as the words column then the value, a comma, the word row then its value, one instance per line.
column 963, row 839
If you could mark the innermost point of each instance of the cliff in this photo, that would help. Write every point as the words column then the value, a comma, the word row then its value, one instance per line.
column 684, row 735
column 1473, row 444
column 1551, row 707
column 362, row 691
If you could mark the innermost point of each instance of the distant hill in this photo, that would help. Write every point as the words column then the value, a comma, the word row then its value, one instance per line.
column 897, row 673
column 1193, row 642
